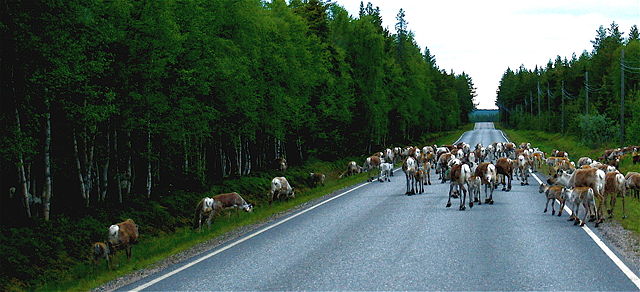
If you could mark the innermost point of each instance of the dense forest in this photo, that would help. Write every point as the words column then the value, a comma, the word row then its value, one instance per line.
column 105, row 102
column 594, row 96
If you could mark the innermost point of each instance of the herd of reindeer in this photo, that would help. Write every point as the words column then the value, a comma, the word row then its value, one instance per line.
column 465, row 168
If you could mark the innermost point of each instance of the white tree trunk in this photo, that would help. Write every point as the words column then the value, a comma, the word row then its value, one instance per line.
column 47, row 192
column 129, row 173
column 148, row 159
column 117, row 163
column 104, row 176
column 83, row 191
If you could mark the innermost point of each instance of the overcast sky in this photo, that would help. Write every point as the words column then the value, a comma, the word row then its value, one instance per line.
column 483, row 38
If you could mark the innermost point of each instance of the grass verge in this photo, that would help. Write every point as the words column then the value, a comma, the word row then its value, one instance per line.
column 549, row 141
column 85, row 276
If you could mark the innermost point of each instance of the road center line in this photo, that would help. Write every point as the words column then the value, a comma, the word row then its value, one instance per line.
column 186, row 266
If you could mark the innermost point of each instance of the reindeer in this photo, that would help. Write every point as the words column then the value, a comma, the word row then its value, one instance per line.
column 352, row 168
column 489, row 178
column 101, row 250
column 585, row 196
column 232, row 200
column 205, row 209
column 523, row 166
column 504, row 167
column 474, row 184
column 386, row 171
column 460, row 173
column 372, row 163
column 420, row 179
column 553, row 193
column 122, row 236
column 615, row 184
column 410, row 167
column 280, row 186
column 317, row 178
column 443, row 165
column 280, row 164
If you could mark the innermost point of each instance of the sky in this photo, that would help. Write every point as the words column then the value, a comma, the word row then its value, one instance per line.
column 483, row 38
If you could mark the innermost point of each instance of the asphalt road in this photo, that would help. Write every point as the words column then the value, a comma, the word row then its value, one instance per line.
column 376, row 238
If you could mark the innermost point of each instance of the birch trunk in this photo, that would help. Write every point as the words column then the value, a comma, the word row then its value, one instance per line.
column 117, row 163
column 103, row 177
column 47, row 192
column 186, row 155
column 21, row 172
column 148, row 160
column 129, row 173
column 79, row 167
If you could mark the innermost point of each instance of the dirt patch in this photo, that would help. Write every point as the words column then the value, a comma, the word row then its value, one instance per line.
column 208, row 245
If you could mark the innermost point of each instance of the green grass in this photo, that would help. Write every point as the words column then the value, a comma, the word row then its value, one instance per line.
column 86, row 276
column 548, row 141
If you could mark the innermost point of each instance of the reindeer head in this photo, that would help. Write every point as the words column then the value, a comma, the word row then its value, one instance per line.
column 543, row 188
column 207, row 205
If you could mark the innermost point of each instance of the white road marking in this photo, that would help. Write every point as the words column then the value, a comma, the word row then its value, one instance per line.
column 186, row 266
column 616, row 260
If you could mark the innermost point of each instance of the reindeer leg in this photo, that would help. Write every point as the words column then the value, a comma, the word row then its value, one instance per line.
column 587, row 207
column 624, row 214
column 547, row 205
column 612, row 205
column 407, row 179
column 463, row 197
column 450, row 191
column 575, row 214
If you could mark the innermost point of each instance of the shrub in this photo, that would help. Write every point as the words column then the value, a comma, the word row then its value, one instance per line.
column 596, row 129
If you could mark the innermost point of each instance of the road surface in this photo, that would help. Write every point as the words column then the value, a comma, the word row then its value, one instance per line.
column 376, row 238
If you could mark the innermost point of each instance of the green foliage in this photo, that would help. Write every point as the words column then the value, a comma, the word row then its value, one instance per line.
column 596, row 129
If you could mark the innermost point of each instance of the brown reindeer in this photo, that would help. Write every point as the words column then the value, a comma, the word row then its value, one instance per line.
column 489, row 178
column 317, row 178
column 553, row 193
column 232, row 200
column 352, row 168
column 122, row 236
column 371, row 163
column 504, row 167
column 590, row 177
column 421, row 180
column 206, row 208
column 101, row 250
column 280, row 164
column 614, row 184
column 632, row 182
column 460, row 173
